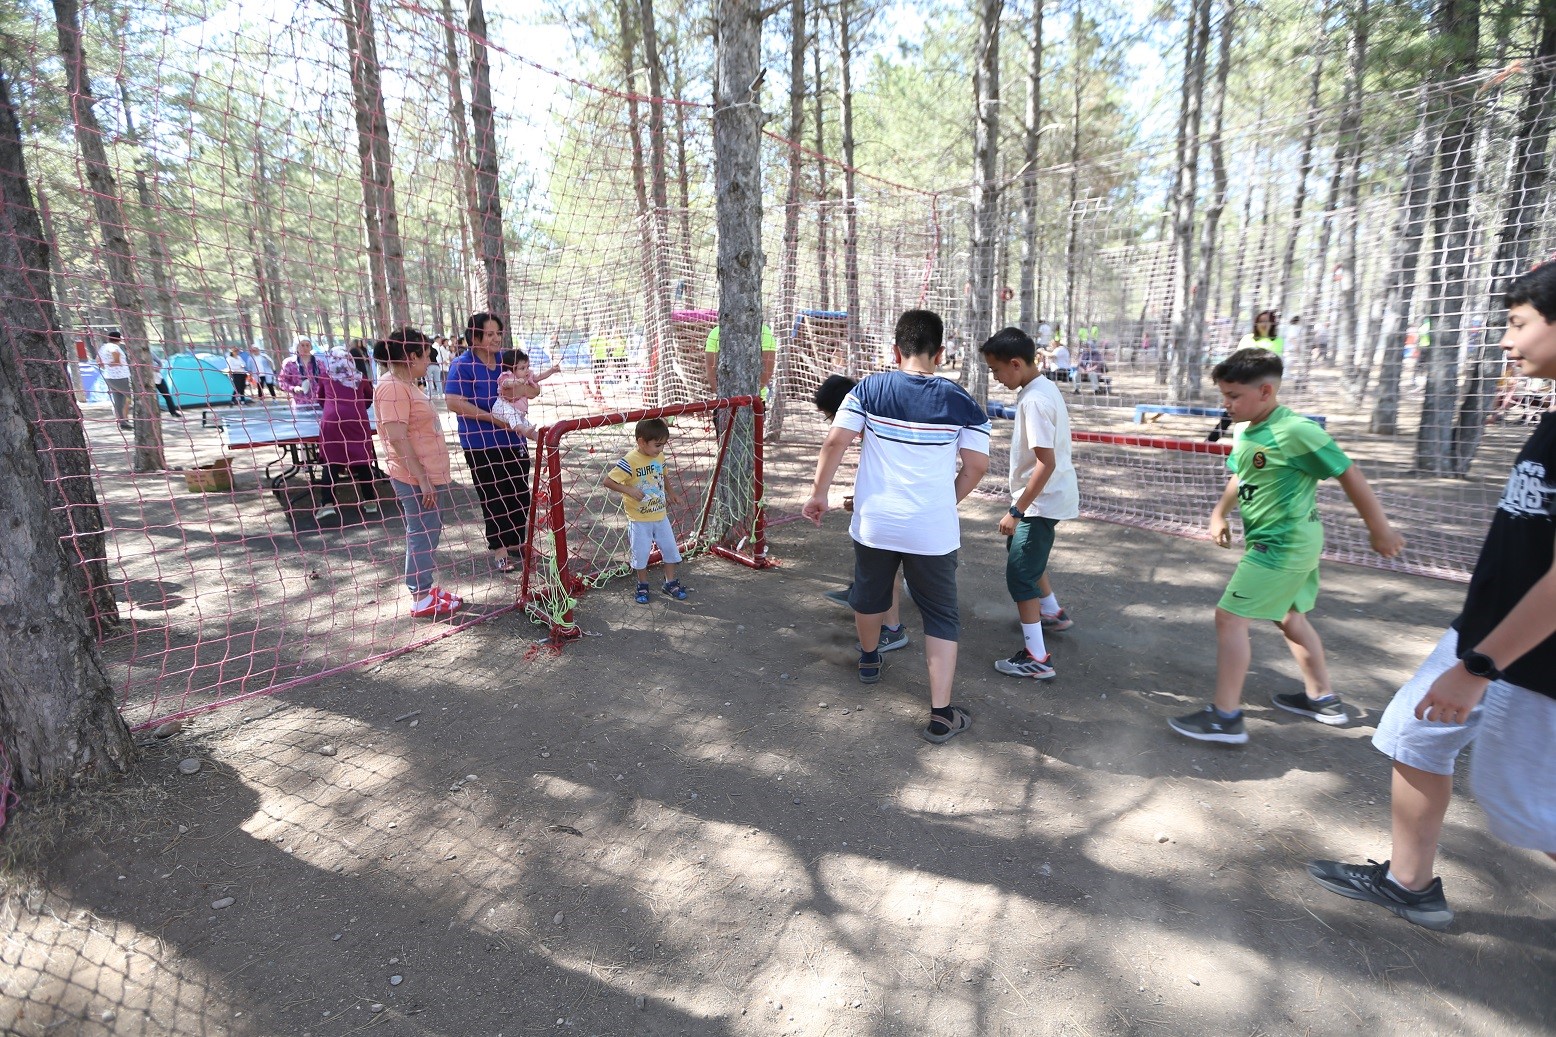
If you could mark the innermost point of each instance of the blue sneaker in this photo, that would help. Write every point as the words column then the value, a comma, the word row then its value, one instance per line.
column 674, row 589
column 642, row 594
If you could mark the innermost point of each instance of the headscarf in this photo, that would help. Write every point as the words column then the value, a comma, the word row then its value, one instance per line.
column 342, row 366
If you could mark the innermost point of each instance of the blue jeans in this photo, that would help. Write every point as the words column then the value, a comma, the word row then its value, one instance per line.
column 423, row 530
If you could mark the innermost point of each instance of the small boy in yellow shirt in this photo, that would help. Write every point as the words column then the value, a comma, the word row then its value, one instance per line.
column 640, row 478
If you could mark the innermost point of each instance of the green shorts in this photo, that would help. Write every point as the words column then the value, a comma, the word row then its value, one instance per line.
column 1258, row 592
column 1026, row 557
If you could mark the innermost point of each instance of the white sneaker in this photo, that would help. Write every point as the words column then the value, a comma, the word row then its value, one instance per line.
column 328, row 511
column 370, row 508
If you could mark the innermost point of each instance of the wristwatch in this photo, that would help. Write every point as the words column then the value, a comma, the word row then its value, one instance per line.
column 1016, row 512
column 1481, row 665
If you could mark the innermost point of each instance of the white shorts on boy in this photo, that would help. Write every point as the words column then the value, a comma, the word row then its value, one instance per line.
column 644, row 536
column 1514, row 769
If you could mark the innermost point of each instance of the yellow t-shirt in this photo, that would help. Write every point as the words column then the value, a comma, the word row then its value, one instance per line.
column 648, row 475
column 769, row 343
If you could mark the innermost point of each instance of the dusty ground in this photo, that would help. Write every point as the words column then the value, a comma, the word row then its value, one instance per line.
column 697, row 822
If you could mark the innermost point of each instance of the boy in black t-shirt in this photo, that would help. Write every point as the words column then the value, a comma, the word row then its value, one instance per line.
column 1501, row 648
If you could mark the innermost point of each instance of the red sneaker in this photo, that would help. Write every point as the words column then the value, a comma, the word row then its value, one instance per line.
column 452, row 599
column 435, row 609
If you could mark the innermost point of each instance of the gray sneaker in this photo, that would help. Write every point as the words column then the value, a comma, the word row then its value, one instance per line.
column 1207, row 726
column 1370, row 882
column 1325, row 710
column 838, row 597
column 890, row 641
column 1023, row 665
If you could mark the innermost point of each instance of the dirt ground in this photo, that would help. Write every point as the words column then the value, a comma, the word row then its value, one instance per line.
column 696, row 821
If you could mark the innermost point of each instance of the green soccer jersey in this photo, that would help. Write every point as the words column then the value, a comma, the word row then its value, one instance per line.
column 1278, row 464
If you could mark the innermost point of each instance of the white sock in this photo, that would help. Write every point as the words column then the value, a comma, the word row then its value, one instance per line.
column 424, row 603
column 1032, row 634
column 1049, row 605
column 1401, row 885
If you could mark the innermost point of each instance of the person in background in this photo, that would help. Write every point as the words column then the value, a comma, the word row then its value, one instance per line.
column 238, row 371
column 162, row 387
column 267, row 374
column 300, row 375
column 115, row 367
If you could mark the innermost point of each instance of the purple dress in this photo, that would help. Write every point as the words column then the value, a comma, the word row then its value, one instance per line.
column 345, row 434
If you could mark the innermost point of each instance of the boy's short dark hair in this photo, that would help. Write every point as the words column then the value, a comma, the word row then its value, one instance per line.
column 829, row 397
column 919, row 333
column 1537, row 288
column 652, row 430
column 1010, row 344
column 1248, row 366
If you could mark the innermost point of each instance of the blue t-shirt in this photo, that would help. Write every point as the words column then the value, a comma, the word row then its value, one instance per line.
column 473, row 380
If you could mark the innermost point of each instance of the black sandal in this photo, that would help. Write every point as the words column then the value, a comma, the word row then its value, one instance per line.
column 960, row 720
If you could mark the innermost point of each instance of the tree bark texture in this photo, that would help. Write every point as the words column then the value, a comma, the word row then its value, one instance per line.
column 788, row 275
column 1028, row 315
column 985, row 214
column 823, row 222
column 657, row 326
column 1347, row 331
column 1457, row 23
column 1526, row 196
column 156, row 238
column 460, row 123
column 365, row 66
column 59, row 723
column 118, row 250
column 1181, row 377
column 1072, row 250
column 737, row 140
column 1195, row 346
column 489, row 234
column 1288, row 260
column 858, row 363
column 361, row 110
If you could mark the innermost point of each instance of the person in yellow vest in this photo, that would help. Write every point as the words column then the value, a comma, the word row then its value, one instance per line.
column 769, row 358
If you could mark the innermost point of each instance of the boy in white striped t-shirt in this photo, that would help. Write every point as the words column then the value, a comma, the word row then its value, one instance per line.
column 914, row 427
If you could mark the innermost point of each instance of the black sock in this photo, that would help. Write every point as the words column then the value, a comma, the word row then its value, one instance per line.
column 942, row 713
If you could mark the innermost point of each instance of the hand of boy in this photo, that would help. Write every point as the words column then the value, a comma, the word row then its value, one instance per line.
column 815, row 507
column 1451, row 697
column 1008, row 525
column 1387, row 542
column 1220, row 531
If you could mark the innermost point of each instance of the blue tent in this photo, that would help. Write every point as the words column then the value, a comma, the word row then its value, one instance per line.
column 197, row 379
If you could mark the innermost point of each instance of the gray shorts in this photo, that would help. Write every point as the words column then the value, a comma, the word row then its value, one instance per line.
column 931, row 583
column 1514, row 769
column 1424, row 744
column 643, row 537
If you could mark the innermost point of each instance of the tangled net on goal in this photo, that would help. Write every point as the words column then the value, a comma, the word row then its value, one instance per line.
column 578, row 531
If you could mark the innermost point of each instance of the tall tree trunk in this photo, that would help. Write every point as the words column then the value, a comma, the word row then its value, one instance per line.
column 61, row 294
column 985, row 213
column 367, row 67
column 362, row 112
column 791, row 210
column 461, row 126
column 58, row 721
column 823, row 261
column 1073, row 213
column 1526, row 195
column 156, row 238
column 648, row 246
column 1033, row 130
column 267, row 273
column 1195, row 350
column 118, row 251
column 684, row 183
column 656, row 325
column 737, row 140
column 489, row 233
column 1297, row 360
column 856, row 358
column 1457, row 25
column 1346, row 331
column 1181, row 375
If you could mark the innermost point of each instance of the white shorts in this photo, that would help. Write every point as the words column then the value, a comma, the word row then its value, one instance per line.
column 643, row 536
column 1514, row 770
column 1425, row 744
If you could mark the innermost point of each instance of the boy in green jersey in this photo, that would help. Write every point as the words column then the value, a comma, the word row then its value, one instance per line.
column 1276, row 467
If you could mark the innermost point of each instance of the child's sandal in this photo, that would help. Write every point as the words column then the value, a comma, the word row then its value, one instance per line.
column 675, row 590
column 642, row 595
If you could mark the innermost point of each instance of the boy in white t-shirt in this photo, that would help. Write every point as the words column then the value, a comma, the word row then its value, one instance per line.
column 915, row 427
column 1043, row 491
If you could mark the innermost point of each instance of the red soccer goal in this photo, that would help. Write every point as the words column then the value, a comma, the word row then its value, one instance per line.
column 578, row 532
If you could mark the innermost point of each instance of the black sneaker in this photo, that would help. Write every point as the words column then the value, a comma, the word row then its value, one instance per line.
column 1325, row 710
column 1371, row 882
column 1206, row 726
column 838, row 597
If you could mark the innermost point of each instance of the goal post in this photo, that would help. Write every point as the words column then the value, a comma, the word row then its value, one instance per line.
column 577, row 537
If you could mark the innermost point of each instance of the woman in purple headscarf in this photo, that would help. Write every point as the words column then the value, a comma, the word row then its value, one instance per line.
column 345, row 434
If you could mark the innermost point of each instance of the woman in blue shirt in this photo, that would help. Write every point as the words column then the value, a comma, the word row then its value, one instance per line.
column 498, row 456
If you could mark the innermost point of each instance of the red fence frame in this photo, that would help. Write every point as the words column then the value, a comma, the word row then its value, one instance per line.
column 547, row 473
